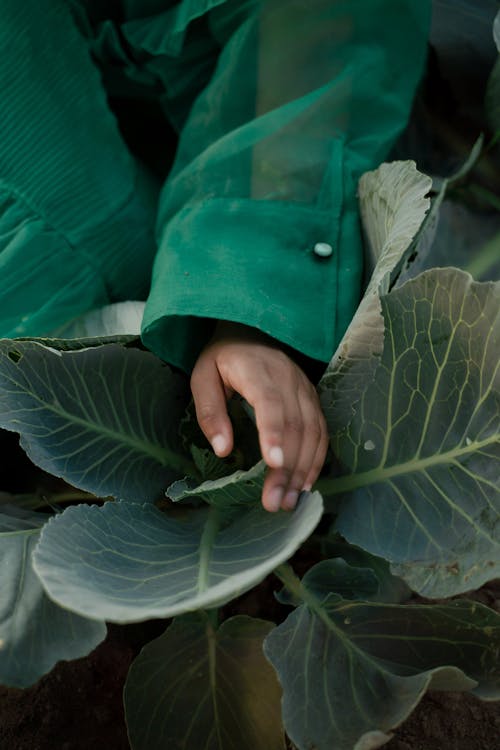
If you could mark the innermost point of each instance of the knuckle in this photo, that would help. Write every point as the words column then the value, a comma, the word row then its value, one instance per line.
column 206, row 414
column 314, row 431
column 271, row 395
column 281, row 477
column 294, row 424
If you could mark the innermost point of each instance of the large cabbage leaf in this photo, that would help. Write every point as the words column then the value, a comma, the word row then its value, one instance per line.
column 126, row 562
column 352, row 671
column 104, row 418
column 420, row 454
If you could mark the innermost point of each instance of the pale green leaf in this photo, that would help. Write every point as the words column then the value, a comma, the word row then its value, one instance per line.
column 393, row 205
column 197, row 687
column 35, row 633
column 396, row 220
column 125, row 562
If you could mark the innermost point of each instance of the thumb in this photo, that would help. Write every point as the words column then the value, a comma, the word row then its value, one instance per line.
column 209, row 395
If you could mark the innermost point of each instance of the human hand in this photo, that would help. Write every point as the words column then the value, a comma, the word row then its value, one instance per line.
column 292, row 430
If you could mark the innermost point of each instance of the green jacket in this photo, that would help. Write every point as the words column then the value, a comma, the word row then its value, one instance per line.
column 280, row 106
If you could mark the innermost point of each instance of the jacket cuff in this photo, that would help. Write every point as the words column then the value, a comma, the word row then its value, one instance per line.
column 248, row 261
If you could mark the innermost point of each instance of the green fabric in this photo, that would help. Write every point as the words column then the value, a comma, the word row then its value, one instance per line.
column 281, row 105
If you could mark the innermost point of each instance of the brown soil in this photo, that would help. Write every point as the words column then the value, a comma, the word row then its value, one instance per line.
column 77, row 706
column 450, row 721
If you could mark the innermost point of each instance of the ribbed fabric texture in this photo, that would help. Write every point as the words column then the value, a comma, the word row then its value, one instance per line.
column 63, row 159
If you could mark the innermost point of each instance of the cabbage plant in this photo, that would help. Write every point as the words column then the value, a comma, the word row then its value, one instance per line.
column 408, row 503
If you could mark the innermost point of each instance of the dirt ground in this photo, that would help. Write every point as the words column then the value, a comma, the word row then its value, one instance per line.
column 78, row 705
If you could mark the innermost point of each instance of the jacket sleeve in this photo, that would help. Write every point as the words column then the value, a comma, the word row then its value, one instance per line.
column 258, row 220
column 76, row 211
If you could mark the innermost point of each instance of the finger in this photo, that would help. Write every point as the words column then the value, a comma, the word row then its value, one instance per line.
column 209, row 397
column 319, row 458
column 311, row 437
column 256, row 387
column 278, row 480
column 274, row 488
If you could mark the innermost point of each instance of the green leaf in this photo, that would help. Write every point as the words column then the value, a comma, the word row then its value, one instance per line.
column 73, row 345
column 421, row 452
column 239, row 488
column 351, row 671
column 393, row 205
column 125, row 562
column 390, row 589
column 35, row 633
column 397, row 221
column 105, row 418
column 400, row 223
column 339, row 577
column 196, row 687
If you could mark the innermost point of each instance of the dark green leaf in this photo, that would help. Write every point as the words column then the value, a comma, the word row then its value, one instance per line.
column 353, row 670
column 105, row 419
column 35, row 633
column 196, row 687
column 390, row 589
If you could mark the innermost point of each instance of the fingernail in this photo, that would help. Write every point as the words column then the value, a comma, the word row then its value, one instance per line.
column 307, row 487
column 276, row 458
column 219, row 444
column 274, row 499
column 290, row 500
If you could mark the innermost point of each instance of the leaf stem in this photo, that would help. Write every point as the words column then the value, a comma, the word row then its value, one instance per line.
column 213, row 617
column 329, row 486
column 293, row 583
column 206, row 547
column 289, row 578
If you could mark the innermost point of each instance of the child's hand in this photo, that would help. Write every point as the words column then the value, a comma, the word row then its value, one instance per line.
column 292, row 430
